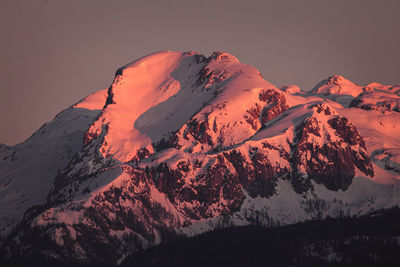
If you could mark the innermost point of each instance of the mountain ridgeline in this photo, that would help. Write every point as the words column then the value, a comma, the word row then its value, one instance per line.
column 182, row 144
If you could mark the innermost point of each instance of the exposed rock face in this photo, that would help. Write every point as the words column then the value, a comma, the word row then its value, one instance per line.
column 377, row 100
column 328, row 155
column 147, row 203
column 388, row 159
column 213, row 132
column 291, row 89
column 275, row 105
column 186, row 144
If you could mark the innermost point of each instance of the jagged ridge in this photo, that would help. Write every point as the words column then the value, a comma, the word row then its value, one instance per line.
column 185, row 144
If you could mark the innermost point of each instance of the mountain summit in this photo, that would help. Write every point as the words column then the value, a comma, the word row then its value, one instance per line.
column 181, row 144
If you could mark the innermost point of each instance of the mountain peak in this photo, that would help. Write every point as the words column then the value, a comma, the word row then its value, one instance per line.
column 148, row 100
column 338, row 79
column 337, row 85
column 222, row 56
column 291, row 89
column 94, row 101
column 181, row 144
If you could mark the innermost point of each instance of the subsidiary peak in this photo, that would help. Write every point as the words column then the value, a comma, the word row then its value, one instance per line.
column 181, row 144
column 337, row 85
column 222, row 56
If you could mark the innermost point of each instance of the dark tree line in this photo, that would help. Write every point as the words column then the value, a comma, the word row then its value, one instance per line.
column 372, row 240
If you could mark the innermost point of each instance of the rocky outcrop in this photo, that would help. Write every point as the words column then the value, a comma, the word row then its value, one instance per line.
column 378, row 101
column 328, row 155
column 186, row 144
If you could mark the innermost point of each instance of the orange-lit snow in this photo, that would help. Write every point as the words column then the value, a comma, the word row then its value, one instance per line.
column 158, row 95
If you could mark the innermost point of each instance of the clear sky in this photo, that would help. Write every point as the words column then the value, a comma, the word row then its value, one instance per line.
column 53, row 52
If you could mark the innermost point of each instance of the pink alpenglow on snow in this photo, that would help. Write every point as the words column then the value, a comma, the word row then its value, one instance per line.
column 181, row 144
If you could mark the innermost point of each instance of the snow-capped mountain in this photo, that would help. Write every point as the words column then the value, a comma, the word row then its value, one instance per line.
column 27, row 170
column 181, row 144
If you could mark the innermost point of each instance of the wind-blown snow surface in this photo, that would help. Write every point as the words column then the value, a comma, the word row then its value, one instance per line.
column 185, row 144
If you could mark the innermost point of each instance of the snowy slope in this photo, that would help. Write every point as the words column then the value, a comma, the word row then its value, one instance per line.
column 338, row 89
column 374, row 110
column 291, row 89
column 27, row 170
column 377, row 100
column 337, row 85
column 375, row 113
column 185, row 144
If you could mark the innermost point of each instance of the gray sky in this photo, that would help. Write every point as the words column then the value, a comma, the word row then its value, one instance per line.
column 53, row 53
